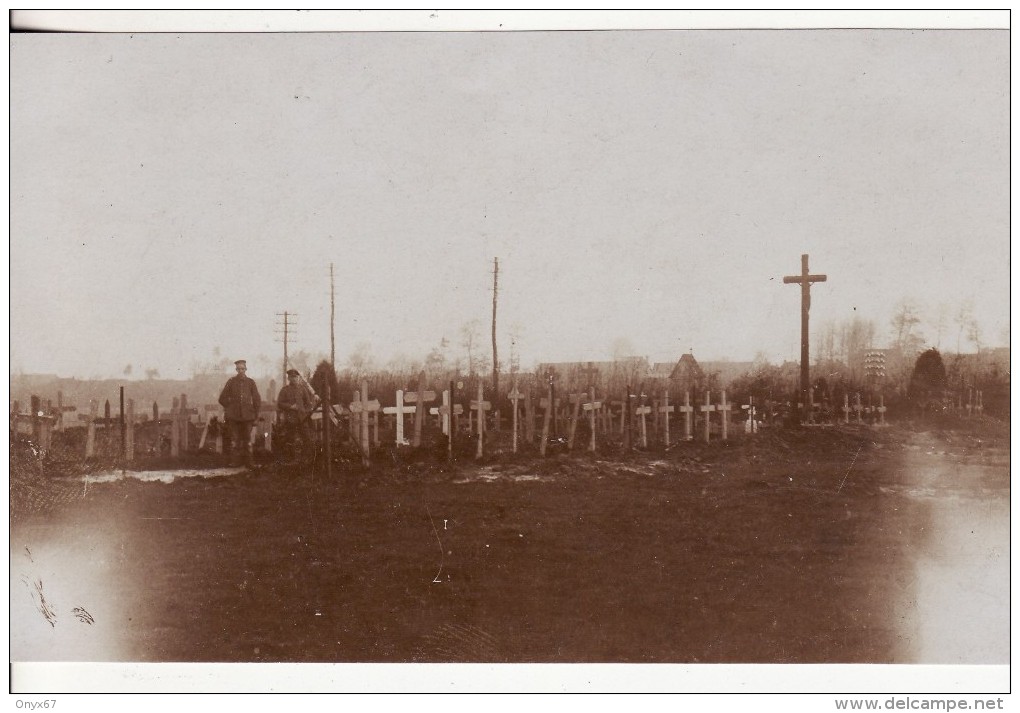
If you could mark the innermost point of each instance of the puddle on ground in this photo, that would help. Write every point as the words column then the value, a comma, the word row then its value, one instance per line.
column 491, row 476
column 160, row 476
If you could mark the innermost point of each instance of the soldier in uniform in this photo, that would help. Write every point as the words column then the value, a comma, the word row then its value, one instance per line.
column 293, row 405
column 241, row 402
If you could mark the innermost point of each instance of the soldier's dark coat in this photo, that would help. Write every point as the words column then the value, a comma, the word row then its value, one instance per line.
column 240, row 399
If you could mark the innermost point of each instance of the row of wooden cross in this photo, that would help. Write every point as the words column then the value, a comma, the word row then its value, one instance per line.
column 604, row 417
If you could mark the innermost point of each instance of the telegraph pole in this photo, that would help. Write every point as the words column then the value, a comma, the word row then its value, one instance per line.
column 286, row 329
column 332, row 320
column 495, row 358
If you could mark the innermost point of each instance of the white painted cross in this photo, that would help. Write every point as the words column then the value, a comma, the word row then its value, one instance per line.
column 980, row 405
column 444, row 411
column 707, row 408
column 643, row 411
column 846, row 408
column 399, row 410
column 724, row 409
column 857, row 407
column 591, row 407
column 666, row 410
column 363, row 407
column 687, row 410
column 412, row 397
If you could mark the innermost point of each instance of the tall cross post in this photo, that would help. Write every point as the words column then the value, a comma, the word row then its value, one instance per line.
column 804, row 279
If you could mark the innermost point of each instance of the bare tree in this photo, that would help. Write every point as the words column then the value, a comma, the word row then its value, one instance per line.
column 360, row 361
column 469, row 340
column 905, row 319
column 939, row 322
column 965, row 322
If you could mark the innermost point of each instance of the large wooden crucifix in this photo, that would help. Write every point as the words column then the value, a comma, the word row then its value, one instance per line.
column 804, row 279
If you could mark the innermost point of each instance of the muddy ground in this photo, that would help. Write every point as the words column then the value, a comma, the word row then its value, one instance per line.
column 792, row 546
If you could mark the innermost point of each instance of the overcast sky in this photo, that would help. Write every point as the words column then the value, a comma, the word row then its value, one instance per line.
column 171, row 193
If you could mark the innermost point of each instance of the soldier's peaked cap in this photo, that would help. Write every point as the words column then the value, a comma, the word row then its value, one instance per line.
column 293, row 372
column 242, row 362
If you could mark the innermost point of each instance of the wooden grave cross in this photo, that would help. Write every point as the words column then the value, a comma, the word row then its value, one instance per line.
column 665, row 409
column 575, row 400
column 752, row 424
column 643, row 411
column 129, row 440
column 90, row 436
column 419, row 399
column 515, row 396
column 480, row 406
column 549, row 404
column 399, row 411
column 443, row 412
column 707, row 408
column 591, row 407
column 846, row 408
column 363, row 407
column 979, row 406
column 687, row 410
column 857, row 407
column 804, row 279
column 880, row 409
column 724, row 409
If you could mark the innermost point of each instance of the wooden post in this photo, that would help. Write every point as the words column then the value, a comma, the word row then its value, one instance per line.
column 576, row 400
column 90, row 436
column 451, row 423
column 627, row 420
column 366, row 443
column 327, row 425
column 724, row 409
column 881, row 410
column 707, row 409
column 857, row 407
column 480, row 407
column 549, row 406
column 175, row 429
column 515, row 396
column 60, row 411
column 36, row 406
column 665, row 410
column 846, row 408
column 529, row 417
column 130, row 436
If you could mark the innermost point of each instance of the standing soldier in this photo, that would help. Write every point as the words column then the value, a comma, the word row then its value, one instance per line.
column 293, row 406
column 241, row 402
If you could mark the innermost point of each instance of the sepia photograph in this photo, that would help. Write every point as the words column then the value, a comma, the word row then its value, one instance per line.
column 615, row 351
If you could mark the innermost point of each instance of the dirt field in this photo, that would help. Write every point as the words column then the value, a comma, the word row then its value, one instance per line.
column 798, row 545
